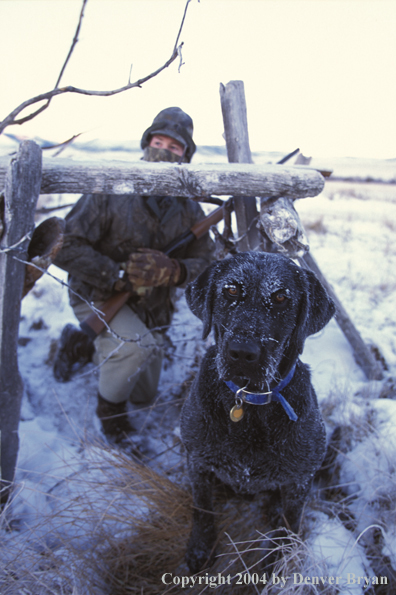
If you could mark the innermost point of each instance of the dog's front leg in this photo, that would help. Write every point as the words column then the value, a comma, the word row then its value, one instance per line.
column 293, row 499
column 200, row 548
column 288, row 517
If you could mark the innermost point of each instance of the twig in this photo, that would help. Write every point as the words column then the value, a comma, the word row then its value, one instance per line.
column 179, row 53
column 11, row 120
column 62, row 146
column 28, row 236
column 43, row 107
column 74, row 43
column 241, row 559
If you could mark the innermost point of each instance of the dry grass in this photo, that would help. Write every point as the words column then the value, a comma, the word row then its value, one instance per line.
column 156, row 544
column 116, row 526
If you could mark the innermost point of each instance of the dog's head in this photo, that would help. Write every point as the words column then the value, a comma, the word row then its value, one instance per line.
column 261, row 307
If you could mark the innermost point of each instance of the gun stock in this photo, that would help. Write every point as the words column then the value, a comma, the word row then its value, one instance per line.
column 93, row 325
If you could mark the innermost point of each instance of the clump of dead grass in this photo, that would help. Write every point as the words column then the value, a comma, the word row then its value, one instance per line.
column 115, row 526
column 136, row 562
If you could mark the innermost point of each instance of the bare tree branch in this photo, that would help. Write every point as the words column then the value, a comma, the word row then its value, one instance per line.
column 43, row 107
column 11, row 120
column 73, row 45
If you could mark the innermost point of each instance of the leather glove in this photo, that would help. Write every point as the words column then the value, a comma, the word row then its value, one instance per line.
column 152, row 268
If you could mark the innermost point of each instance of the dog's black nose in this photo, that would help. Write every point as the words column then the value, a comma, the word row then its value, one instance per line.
column 243, row 351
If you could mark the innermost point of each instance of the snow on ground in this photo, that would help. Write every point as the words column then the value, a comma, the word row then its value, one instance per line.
column 351, row 229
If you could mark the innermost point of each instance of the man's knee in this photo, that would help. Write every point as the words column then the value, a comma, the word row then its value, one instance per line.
column 147, row 379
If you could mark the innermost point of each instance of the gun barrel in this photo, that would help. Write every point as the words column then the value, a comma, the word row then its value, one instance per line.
column 199, row 229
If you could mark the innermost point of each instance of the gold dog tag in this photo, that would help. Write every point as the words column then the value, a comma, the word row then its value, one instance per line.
column 237, row 413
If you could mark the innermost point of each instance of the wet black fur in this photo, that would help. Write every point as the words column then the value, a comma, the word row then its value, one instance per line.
column 261, row 308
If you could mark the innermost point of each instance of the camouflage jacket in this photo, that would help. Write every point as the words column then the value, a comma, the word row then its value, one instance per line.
column 103, row 229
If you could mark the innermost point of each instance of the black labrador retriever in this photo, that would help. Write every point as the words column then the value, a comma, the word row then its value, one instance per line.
column 261, row 307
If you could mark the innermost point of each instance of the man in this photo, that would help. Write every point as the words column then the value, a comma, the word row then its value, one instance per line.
column 113, row 243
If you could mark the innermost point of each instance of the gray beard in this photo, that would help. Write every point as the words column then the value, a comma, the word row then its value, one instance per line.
column 155, row 155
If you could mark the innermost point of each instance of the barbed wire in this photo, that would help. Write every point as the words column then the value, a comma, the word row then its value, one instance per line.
column 97, row 310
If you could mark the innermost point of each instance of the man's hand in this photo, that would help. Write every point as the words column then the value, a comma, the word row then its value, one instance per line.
column 152, row 268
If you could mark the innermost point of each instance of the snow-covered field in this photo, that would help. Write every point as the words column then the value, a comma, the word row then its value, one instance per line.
column 76, row 497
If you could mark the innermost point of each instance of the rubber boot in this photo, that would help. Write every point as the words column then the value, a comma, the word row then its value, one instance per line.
column 114, row 419
column 74, row 347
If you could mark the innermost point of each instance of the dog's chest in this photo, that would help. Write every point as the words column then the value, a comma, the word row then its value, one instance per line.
column 265, row 449
column 249, row 462
column 248, row 478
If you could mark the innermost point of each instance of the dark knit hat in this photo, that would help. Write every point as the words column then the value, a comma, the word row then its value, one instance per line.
column 176, row 124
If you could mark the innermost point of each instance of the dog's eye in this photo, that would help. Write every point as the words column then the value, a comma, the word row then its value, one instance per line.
column 231, row 291
column 279, row 298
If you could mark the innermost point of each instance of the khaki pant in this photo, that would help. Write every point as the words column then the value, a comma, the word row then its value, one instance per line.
column 127, row 370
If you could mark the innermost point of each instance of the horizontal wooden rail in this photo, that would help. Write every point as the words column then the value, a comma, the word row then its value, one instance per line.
column 67, row 176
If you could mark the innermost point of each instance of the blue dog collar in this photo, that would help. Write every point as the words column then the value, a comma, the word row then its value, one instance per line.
column 244, row 396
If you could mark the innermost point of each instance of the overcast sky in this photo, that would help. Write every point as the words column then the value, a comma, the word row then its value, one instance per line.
column 318, row 74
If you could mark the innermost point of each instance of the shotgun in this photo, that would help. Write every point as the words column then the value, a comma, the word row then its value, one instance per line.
column 93, row 325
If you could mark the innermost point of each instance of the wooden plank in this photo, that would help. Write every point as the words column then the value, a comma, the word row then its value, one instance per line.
column 22, row 187
column 67, row 176
column 233, row 107
column 364, row 358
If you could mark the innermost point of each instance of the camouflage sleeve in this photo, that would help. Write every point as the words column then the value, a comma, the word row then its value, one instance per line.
column 200, row 253
column 85, row 227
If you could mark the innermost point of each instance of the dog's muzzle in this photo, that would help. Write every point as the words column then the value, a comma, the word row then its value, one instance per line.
column 243, row 352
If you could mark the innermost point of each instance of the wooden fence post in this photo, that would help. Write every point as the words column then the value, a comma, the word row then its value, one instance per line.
column 233, row 107
column 22, row 189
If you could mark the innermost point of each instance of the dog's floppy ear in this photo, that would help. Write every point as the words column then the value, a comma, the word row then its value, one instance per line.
column 316, row 309
column 321, row 306
column 200, row 295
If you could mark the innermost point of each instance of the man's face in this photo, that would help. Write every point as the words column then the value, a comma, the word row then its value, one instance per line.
column 160, row 141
